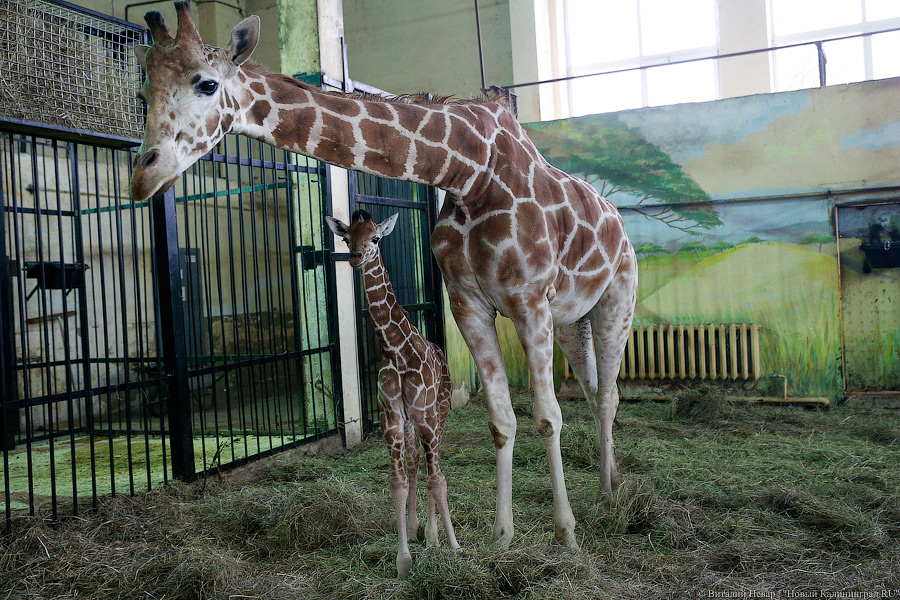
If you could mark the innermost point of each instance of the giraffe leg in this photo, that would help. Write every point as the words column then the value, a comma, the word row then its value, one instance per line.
column 392, row 426
column 437, row 488
column 476, row 323
column 611, row 324
column 534, row 326
column 412, row 470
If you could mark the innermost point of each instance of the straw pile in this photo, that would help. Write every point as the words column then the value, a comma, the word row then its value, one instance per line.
column 61, row 68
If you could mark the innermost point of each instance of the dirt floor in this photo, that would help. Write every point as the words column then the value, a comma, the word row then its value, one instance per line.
column 719, row 501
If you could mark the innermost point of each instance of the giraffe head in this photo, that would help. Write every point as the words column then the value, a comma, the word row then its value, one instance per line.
column 362, row 235
column 190, row 93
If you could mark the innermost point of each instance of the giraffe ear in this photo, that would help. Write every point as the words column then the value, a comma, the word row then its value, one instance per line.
column 338, row 228
column 387, row 226
column 244, row 38
column 140, row 52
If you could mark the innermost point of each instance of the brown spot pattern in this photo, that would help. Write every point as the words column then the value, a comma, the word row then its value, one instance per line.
column 499, row 438
column 294, row 128
column 435, row 128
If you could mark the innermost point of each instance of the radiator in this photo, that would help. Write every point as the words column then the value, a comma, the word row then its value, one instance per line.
column 718, row 351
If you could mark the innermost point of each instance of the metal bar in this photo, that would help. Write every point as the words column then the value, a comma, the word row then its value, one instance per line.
column 8, row 417
column 165, row 227
column 70, row 414
column 480, row 45
column 436, row 283
column 181, row 199
column 234, row 321
column 229, row 415
column 103, row 16
column 83, row 320
column 393, row 202
column 293, row 212
column 39, row 188
column 122, row 310
column 71, row 134
column 45, row 212
column 262, row 164
column 105, row 321
column 837, row 238
column 820, row 55
column 331, row 296
column 698, row 59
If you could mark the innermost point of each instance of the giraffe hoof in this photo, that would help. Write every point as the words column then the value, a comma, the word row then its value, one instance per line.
column 501, row 538
column 567, row 538
column 404, row 565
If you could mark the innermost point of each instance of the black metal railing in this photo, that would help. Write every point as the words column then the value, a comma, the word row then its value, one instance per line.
column 147, row 341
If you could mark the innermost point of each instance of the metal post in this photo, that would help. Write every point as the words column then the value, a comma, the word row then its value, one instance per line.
column 9, row 421
column 480, row 46
column 822, row 62
column 174, row 347
column 433, row 280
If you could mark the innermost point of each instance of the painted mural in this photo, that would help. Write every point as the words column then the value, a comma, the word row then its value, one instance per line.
column 729, row 208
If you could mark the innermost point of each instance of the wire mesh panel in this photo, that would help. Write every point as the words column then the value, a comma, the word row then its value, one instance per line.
column 69, row 67
column 412, row 270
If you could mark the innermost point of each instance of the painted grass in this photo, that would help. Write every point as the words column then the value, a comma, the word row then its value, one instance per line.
column 789, row 290
column 752, row 499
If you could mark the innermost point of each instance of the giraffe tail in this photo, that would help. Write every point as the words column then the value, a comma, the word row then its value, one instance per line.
column 459, row 397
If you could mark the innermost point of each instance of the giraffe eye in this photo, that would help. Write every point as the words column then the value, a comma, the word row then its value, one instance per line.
column 207, row 87
column 375, row 240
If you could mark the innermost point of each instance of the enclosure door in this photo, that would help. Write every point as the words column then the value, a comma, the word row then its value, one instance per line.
column 869, row 246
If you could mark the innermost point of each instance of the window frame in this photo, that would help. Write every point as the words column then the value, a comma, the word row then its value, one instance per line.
column 641, row 62
column 863, row 27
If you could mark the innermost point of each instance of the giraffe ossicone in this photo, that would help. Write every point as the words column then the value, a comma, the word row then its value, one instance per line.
column 516, row 235
column 414, row 387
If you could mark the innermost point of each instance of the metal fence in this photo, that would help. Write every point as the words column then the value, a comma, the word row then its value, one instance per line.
column 413, row 271
column 146, row 341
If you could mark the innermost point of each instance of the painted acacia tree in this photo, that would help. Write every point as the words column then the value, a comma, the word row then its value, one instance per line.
column 617, row 159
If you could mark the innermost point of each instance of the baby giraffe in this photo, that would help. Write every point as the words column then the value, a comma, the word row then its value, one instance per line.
column 414, row 386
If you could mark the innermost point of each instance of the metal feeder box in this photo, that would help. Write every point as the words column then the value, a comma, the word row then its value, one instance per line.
column 881, row 255
column 56, row 275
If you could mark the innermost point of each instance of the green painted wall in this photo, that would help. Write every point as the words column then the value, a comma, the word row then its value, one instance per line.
column 430, row 45
column 298, row 37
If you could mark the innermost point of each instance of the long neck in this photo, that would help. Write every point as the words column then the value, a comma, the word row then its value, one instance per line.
column 445, row 145
column 392, row 323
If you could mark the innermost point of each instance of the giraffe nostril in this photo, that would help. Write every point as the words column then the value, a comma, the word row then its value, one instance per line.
column 146, row 159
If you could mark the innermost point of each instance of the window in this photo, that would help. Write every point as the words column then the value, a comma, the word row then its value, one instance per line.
column 855, row 59
column 618, row 35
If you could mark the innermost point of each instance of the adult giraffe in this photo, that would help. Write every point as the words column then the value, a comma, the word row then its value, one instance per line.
column 516, row 235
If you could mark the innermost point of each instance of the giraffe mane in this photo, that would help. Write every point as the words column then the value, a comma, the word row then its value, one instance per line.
column 423, row 98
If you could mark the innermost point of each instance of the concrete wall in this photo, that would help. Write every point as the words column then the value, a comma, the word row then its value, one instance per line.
column 429, row 46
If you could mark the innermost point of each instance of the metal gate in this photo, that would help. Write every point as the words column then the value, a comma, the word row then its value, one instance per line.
column 413, row 271
column 142, row 342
